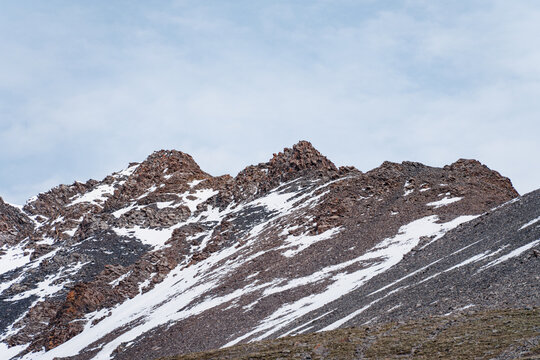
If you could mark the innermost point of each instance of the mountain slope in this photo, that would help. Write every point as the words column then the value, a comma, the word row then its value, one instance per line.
column 488, row 334
column 166, row 258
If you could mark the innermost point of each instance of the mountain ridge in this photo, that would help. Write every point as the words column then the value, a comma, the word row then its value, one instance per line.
column 102, row 245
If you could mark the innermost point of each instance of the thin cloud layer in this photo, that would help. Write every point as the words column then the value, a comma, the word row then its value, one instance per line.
column 87, row 88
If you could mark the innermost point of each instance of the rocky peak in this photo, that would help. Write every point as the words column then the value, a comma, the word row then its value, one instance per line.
column 468, row 166
column 13, row 223
column 474, row 169
column 302, row 160
column 164, row 171
column 169, row 162
column 168, row 166
column 52, row 203
column 301, row 157
column 388, row 170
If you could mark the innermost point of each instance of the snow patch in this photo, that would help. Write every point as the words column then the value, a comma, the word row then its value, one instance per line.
column 46, row 241
column 249, row 306
column 451, row 225
column 117, row 281
column 297, row 330
column 302, row 242
column 153, row 237
column 195, row 183
column 50, row 285
column 96, row 196
column 127, row 171
column 200, row 196
column 15, row 257
column 443, row 202
column 459, row 309
column 393, row 308
column 407, row 188
column 164, row 204
column 125, row 210
column 532, row 222
column 144, row 284
column 9, row 352
column 71, row 232
column 148, row 192
column 43, row 289
column 506, row 203
column 516, row 252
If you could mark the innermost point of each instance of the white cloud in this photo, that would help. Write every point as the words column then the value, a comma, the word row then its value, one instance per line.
column 233, row 83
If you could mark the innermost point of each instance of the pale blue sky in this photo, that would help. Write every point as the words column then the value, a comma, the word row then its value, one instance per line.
column 89, row 86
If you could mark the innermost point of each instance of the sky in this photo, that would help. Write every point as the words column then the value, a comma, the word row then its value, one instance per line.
column 88, row 86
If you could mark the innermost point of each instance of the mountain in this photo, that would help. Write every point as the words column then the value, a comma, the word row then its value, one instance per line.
column 162, row 258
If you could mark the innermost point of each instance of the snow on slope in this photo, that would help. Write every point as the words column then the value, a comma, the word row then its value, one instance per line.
column 530, row 223
column 13, row 258
column 184, row 287
column 383, row 256
column 443, row 202
column 463, row 266
column 154, row 237
column 101, row 193
column 97, row 196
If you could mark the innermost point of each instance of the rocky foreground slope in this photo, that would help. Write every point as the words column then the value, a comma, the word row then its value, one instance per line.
column 163, row 257
column 487, row 334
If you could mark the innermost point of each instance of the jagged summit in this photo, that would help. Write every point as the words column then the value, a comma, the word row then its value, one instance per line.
column 169, row 162
column 12, row 223
column 302, row 156
column 302, row 160
column 164, row 171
